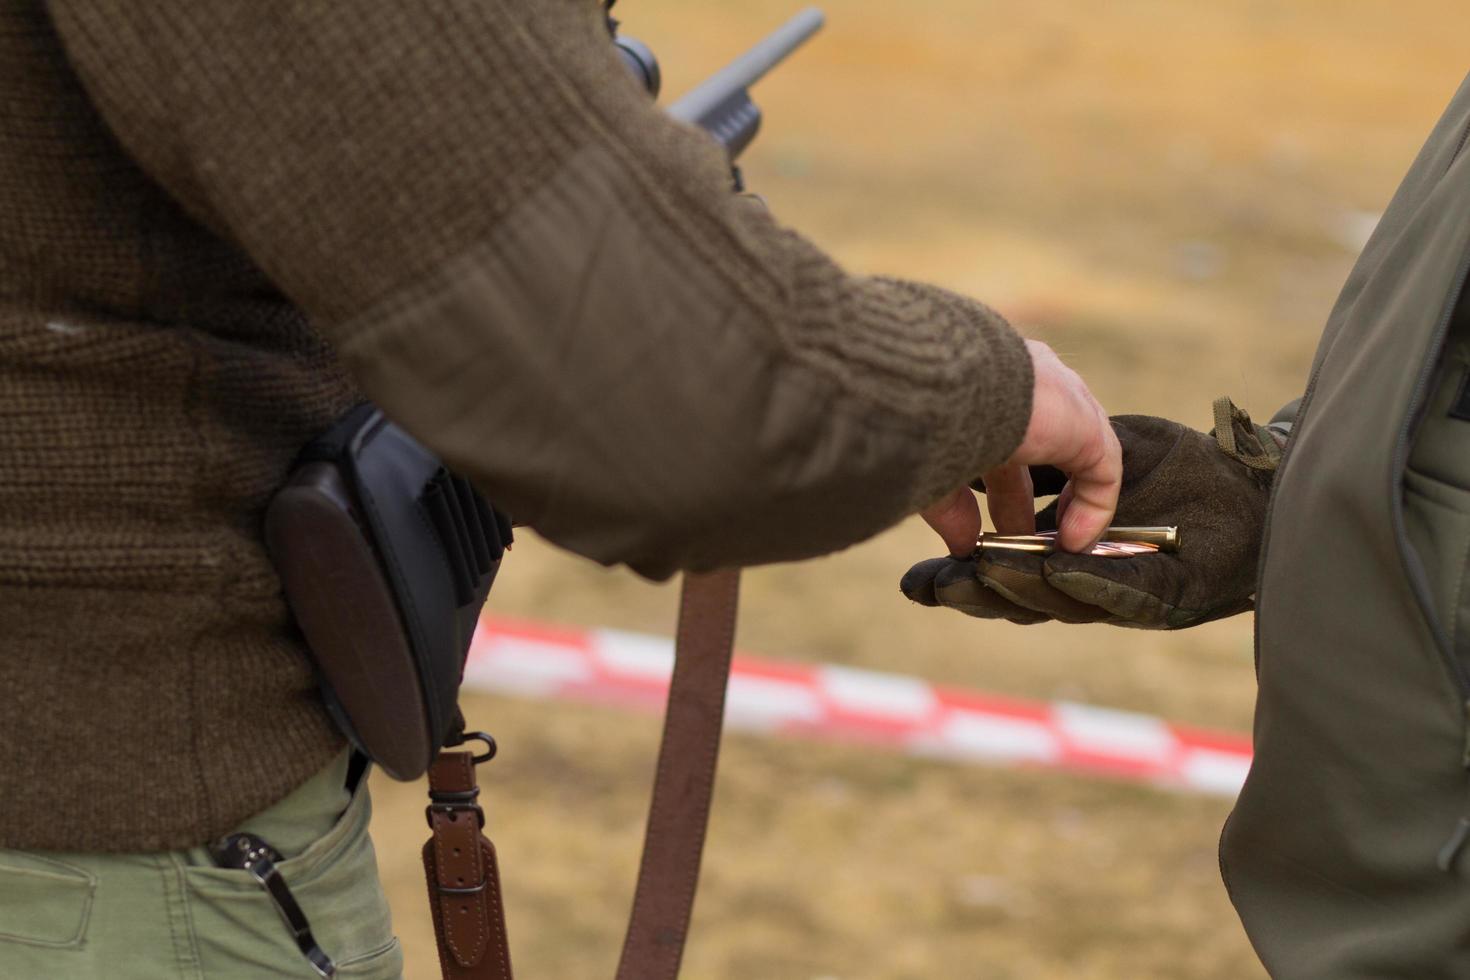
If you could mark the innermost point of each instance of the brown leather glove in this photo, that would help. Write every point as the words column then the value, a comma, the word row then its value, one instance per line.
column 1213, row 487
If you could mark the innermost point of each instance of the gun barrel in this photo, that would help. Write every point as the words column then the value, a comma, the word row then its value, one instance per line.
column 710, row 98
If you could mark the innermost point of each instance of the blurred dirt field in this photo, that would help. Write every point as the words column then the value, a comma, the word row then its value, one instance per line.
column 1170, row 194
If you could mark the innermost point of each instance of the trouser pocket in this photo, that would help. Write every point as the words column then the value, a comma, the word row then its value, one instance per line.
column 44, row 902
column 239, row 932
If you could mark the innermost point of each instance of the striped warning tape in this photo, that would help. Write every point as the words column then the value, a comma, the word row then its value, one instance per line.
column 846, row 704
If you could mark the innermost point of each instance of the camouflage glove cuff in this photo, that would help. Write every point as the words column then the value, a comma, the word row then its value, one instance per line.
column 1213, row 487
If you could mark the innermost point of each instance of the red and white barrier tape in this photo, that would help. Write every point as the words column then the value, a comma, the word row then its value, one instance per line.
column 845, row 704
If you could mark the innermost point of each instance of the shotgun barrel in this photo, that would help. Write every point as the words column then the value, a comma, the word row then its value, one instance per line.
column 721, row 105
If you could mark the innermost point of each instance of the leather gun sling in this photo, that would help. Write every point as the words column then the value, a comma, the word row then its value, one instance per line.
column 685, row 783
column 459, row 862
column 463, row 876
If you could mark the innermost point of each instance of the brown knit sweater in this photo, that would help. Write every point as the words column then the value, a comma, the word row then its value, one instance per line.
column 219, row 221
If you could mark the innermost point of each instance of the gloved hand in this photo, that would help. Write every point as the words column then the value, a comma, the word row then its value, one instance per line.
column 1213, row 487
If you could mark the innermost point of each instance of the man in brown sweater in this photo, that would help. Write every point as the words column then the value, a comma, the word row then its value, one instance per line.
column 225, row 223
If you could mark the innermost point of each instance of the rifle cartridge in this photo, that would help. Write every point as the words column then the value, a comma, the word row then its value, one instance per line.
column 1116, row 542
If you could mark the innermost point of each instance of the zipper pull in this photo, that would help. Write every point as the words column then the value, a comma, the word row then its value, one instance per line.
column 1454, row 845
column 1465, row 749
column 1461, row 836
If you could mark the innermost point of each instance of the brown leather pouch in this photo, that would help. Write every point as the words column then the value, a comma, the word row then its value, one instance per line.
column 386, row 559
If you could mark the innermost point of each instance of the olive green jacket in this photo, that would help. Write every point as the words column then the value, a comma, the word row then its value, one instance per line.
column 1344, row 853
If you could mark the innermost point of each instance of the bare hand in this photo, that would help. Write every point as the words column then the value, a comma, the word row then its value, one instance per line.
column 1068, row 430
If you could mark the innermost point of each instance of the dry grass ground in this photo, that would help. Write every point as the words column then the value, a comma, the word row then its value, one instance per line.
column 1168, row 193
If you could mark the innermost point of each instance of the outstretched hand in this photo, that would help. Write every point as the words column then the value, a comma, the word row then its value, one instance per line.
column 1069, row 431
column 1213, row 487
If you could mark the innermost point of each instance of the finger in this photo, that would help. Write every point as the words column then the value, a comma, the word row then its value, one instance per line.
column 1011, row 500
column 956, row 519
column 918, row 582
column 1019, row 578
column 1094, row 497
column 1144, row 591
column 957, row 587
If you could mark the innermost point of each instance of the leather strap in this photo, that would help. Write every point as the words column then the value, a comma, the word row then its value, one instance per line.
column 464, row 881
column 679, row 814
column 463, row 876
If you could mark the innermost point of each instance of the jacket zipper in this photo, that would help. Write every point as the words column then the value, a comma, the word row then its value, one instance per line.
column 1464, row 140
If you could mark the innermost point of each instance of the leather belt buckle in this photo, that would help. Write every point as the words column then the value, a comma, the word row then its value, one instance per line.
column 470, row 890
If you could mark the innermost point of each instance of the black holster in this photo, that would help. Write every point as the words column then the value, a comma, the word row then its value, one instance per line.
column 386, row 558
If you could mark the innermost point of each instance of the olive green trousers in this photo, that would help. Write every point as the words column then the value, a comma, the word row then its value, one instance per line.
column 178, row 915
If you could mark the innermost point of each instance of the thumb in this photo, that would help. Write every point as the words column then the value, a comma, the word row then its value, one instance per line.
column 1088, row 501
